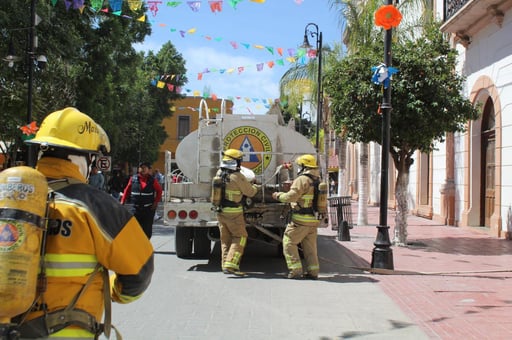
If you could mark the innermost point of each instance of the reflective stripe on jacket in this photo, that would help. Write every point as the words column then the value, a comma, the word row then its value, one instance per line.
column 301, row 195
column 143, row 196
column 237, row 186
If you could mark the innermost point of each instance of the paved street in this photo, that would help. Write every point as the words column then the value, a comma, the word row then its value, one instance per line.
column 192, row 299
column 448, row 283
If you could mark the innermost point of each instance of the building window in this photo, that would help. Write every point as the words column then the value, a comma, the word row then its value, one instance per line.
column 183, row 126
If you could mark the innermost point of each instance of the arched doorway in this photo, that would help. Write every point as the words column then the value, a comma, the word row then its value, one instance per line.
column 483, row 161
column 488, row 163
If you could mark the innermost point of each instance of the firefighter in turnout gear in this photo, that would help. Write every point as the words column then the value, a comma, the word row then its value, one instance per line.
column 88, row 234
column 303, row 226
column 230, row 214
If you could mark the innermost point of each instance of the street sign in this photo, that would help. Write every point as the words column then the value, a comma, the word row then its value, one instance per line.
column 104, row 163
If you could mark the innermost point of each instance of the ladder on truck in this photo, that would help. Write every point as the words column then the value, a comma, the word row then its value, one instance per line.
column 209, row 143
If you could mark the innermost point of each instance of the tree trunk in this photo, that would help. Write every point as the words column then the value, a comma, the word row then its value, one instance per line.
column 342, row 174
column 362, row 211
column 401, row 193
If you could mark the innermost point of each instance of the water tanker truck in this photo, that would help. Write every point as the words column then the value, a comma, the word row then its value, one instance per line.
column 269, row 151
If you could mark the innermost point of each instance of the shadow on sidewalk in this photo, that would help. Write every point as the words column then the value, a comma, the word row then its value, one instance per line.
column 263, row 261
column 462, row 245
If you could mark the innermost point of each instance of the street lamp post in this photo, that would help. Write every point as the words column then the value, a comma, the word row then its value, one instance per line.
column 382, row 254
column 318, row 36
column 300, row 118
column 31, row 60
column 306, row 124
column 31, row 157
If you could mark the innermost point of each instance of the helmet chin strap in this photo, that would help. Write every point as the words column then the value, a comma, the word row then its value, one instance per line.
column 81, row 163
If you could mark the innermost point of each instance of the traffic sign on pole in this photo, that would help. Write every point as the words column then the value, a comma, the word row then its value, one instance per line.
column 104, row 163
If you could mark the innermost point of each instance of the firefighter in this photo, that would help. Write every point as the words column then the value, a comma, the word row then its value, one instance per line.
column 233, row 235
column 88, row 234
column 145, row 193
column 303, row 226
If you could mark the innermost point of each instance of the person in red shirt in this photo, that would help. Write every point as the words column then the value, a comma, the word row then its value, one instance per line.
column 145, row 193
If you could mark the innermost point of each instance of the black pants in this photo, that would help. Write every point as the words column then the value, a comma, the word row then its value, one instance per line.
column 145, row 217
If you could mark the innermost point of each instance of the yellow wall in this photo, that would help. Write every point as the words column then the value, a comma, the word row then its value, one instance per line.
column 188, row 106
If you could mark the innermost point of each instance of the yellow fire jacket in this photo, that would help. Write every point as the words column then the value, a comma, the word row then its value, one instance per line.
column 87, row 226
column 236, row 188
column 301, row 195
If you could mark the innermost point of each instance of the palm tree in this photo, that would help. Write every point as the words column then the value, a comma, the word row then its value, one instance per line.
column 359, row 31
column 300, row 83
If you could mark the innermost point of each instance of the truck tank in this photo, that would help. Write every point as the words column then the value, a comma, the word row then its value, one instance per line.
column 265, row 144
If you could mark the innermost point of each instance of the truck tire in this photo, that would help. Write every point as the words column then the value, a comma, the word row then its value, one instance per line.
column 202, row 244
column 183, row 242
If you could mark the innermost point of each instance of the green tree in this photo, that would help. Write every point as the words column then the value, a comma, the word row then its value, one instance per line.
column 143, row 105
column 427, row 103
column 92, row 66
column 359, row 30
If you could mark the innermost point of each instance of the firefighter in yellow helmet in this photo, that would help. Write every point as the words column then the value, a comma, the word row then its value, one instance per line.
column 233, row 235
column 88, row 234
column 303, row 226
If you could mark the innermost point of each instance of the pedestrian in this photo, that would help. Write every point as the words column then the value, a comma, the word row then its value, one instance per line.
column 145, row 193
column 116, row 184
column 233, row 235
column 159, row 177
column 303, row 226
column 96, row 178
column 88, row 235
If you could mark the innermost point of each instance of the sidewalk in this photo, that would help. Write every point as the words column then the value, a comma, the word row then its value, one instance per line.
column 463, row 287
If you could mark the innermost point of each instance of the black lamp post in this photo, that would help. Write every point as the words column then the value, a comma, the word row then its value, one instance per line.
column 382, row 254
column 304, row 116
column 300, row 118
column 318, row 35
column 305, row 124
column 31, row 157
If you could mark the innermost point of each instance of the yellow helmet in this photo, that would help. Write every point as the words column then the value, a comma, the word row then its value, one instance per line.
column 104, row 140
column 308, row 161
column 232, row 154
column 72, row 129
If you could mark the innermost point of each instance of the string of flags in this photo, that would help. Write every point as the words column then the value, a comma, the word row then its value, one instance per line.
column 115, row 6
column 299, row 55
column 78, row 4
column 214, row 5
column 161, row 83
column 311, row 53
column 240, row 69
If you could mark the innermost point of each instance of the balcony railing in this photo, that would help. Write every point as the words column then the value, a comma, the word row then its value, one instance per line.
column 453, row 6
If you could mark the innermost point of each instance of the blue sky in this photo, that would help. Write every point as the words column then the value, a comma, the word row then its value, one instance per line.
column 274, row 24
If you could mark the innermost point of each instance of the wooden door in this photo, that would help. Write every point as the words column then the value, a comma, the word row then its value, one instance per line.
column 489, row 168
